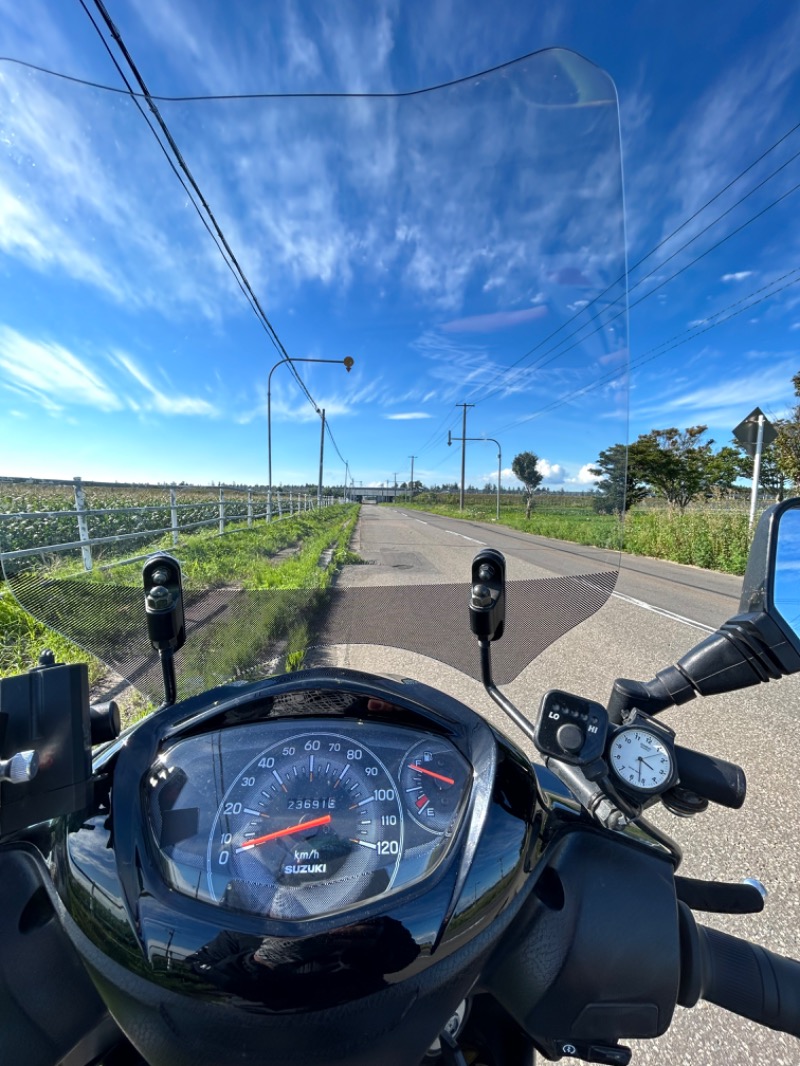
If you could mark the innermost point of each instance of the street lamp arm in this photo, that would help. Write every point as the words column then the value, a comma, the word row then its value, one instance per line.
column 499, row 461
column 347, row 362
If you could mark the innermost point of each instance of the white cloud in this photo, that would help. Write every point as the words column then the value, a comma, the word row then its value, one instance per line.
column 550, row 471
column 584, row 476
column 156, row 400
column 54, row 378
column 408, row 416
column 738, row 276
column 795, row 325
column 51, row 375
column 724, row 403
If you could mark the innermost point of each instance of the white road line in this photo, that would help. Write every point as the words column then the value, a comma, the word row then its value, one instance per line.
column 464, row 536
column 662, row 611
column 618, row 595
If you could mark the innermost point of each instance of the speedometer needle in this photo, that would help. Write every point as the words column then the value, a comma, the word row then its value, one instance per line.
column 430, row 773
column 313, row 824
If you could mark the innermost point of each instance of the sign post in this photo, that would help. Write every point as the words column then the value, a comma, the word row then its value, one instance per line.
column 753, row 433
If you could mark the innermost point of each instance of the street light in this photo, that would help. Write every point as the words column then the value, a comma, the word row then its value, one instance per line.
column 347, row 362
column 450, row 440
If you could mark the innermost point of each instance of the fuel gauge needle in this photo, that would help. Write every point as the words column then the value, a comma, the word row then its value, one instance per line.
column 430, row 773
column 313, row 824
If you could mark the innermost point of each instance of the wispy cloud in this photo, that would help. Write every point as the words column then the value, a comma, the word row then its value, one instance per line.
column 51, row 375
column 408, row 416
column 495, row 321
column 740, row 275
column 157, row 400
column 723, row 403
column 54, row 378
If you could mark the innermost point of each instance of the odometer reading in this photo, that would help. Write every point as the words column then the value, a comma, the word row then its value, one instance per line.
column 310, row 825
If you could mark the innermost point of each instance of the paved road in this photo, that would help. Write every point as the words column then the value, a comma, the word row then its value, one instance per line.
column 657, row 613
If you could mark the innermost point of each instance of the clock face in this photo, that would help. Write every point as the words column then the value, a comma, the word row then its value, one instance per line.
column 641, row 759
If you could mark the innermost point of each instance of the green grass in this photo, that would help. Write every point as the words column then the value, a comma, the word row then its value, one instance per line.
column 713, row 540
column 23, row 639
column 557, row 516
column 246, row 560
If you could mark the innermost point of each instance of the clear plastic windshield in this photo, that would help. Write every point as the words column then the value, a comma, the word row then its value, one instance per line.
column 178, row 339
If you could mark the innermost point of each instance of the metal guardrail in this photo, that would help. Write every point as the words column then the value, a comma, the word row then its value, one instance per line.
column 227, row 513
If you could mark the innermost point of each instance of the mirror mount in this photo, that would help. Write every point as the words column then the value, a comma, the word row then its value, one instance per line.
column 758, row 644
column 487, row 616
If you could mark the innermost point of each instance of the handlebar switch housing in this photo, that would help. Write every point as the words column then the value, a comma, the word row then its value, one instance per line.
column 570, row 728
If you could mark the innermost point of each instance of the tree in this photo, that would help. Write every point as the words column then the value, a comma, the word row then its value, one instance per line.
column 772, row 478
column 524, row 467
column 787, row 444
column 620, row 485
column 724, row 468
column 675, row 463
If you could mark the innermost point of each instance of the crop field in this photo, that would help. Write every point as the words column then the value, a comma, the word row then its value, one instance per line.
column 27, row 498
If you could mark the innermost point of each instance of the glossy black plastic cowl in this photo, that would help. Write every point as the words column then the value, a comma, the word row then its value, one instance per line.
column 595, row 955
column 147, row 944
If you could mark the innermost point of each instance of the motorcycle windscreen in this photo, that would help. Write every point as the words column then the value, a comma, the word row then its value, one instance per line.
column 464, row 245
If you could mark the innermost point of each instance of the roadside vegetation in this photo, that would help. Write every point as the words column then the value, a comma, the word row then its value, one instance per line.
column 713, row 539
column 277, row 576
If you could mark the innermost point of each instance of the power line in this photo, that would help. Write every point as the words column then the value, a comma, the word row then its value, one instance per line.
column 554, row 354
column 538, row 363
column 679, row 339
column 228, row 255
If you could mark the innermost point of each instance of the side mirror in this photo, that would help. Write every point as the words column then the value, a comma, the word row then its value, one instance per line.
column 163, row 608
column 772, row 580
column 487, row 603
column 761, row 643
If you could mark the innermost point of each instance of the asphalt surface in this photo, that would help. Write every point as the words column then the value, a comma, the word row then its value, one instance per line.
column 657, row 613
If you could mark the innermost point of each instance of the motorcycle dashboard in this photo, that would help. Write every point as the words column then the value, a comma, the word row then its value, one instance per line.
column 304, row 817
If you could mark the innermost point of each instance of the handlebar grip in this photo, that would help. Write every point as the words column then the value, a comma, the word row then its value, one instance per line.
column 715, row 779
column 739, row 976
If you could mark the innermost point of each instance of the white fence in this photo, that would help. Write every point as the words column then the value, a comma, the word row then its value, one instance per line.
column 225, row 513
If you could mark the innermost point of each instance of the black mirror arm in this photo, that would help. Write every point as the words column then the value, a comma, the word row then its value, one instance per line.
column 746, row 650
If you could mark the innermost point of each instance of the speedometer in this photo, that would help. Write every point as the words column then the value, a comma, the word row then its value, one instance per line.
column 294, row 820
column 312, row 824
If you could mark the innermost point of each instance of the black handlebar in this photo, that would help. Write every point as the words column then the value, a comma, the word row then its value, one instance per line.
column 739, row 976
column 715, row 779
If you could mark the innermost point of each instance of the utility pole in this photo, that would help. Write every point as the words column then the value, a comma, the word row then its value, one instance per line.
column 321, row 455
column 451, row 438
column 463, row 451
column 412, row 458
column 394, row 498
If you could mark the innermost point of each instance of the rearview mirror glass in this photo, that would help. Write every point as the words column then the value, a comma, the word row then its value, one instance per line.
column 786, row 579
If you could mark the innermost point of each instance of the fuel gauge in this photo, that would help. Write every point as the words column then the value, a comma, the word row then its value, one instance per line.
column 432, row 782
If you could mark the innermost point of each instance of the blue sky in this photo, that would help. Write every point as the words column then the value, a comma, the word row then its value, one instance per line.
column 436, row 240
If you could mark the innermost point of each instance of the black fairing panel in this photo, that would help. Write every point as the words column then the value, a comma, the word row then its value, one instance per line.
column 41, row 1025
column 372, row 984
column 595, row 956
column 393, row 1027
